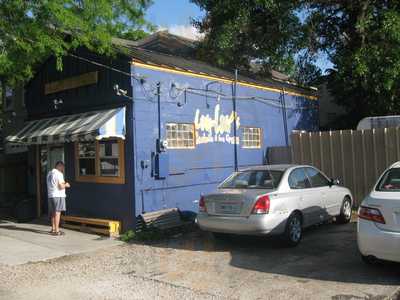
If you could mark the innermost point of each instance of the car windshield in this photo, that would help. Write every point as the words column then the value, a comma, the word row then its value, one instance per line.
column 253, row 179
column 390, row 181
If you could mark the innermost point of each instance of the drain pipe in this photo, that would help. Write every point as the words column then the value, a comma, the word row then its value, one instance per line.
column 159, row 110
column 235, row 120
column 284, row 116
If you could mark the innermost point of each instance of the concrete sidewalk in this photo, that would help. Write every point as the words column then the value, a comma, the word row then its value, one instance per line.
column 31, row 242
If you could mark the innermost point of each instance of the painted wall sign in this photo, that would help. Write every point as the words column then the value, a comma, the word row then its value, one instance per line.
column 71, row 83
column 217, row 128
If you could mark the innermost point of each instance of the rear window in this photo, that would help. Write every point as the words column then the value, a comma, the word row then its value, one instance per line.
column 255, row 179
column 390, row 181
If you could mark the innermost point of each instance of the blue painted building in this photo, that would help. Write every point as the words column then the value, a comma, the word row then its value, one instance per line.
column 145, row 130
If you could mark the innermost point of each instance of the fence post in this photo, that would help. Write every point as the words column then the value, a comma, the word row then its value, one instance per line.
column 397, row 144
column 375, row 158
column 331, row 154
column 342, row 156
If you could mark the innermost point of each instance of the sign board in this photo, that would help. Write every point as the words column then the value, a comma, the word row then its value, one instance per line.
column 71, row 83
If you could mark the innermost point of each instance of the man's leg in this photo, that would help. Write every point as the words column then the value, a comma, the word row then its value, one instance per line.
column 53, row 222
column 51, row 211
column 57, row 221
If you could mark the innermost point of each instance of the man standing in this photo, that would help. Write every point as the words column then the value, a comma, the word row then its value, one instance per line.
column 56, row 186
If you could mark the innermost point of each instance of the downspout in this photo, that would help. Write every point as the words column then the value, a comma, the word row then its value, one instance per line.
column 235, row 120
column 284, row 116
column 159, row 114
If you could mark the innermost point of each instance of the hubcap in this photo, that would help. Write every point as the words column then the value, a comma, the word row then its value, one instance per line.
column 295, row 229
column 347, row 209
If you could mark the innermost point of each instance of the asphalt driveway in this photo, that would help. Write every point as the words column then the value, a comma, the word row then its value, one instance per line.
column 325, row 265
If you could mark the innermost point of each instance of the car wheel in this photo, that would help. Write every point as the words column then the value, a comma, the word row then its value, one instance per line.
column 220, row 236
column 345, row 212
column 369, row 259
column 293, row 230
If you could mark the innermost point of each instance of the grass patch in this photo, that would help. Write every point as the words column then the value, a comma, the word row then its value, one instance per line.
column 151, row 234
column 146, row 235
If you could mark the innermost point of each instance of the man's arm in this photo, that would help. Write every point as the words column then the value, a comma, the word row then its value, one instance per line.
column 63, row 185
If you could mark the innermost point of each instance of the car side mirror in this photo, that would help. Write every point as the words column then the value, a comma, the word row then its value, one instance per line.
column 334, row 182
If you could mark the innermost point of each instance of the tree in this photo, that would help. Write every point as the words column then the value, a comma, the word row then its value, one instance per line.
column 306, row 72
column 362, row 39
column 240, row 31
column 33, row 30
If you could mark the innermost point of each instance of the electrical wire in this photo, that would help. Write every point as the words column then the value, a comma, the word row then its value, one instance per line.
column 191, row 90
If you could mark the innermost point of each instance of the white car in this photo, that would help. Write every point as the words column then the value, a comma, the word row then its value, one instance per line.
column 276, row 200
column 378, row 231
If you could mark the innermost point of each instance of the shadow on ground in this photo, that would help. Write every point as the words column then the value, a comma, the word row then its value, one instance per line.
column 327, row 252
column 17, row 228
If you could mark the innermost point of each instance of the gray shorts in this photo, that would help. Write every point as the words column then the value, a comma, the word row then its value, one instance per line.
column 56, row 204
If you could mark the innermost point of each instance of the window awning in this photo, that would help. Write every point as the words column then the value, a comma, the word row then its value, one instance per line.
column 79, row 127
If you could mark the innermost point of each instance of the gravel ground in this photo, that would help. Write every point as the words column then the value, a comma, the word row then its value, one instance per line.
column 120, row 272
column 195, row 266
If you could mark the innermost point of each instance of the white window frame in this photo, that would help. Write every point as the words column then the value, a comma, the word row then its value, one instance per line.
column 249, row 143
column 179, row 141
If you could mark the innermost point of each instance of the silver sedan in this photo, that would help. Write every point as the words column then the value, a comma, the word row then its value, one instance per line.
column 274, row 200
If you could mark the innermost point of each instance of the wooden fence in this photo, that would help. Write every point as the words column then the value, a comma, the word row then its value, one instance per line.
column 355, row 157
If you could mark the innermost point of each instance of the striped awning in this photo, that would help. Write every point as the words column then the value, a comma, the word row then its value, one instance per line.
column 79, row 127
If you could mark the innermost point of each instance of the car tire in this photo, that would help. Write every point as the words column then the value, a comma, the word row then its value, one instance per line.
column 294, row 230
column 345, row 212
column 369, row 259
column 220, row 236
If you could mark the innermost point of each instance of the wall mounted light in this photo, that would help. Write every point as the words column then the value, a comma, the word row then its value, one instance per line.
column 57, row 102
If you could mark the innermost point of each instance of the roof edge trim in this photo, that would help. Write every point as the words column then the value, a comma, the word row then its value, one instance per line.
column 224, row 80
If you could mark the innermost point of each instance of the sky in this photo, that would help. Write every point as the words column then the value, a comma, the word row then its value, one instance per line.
column 176, row 15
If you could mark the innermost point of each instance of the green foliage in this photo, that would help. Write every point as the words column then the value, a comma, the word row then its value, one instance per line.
column 360, row 37
column 239, row 31
column 146, row 235
column 32, row 30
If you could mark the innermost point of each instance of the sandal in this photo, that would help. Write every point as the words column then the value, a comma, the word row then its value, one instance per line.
column 58, row 233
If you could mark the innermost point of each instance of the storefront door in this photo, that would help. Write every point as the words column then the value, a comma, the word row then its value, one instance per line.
column 49, row 155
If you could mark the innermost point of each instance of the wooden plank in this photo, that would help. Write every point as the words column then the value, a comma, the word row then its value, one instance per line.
column 353, row 160
column 109, row 227
column 88, row 229
column 331, row 155
column 88, row 220
column 71, row 83
column 342, row 158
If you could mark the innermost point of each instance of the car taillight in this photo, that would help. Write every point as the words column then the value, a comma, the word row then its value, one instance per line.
column 371, row 214
column 262, row 205
column 202, row 204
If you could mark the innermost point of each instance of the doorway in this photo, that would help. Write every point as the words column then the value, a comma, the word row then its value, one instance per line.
column 49, row 155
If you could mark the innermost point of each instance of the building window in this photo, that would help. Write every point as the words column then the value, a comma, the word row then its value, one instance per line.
column 109, row 158
column 180, row 136
column 87, row 159
column 100, row 161
column 251, row 137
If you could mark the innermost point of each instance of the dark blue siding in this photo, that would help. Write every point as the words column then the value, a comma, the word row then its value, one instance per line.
column 80, row 99
column 112, row 201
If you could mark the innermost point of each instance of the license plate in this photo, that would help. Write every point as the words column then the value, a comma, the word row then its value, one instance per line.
column 229, row 208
